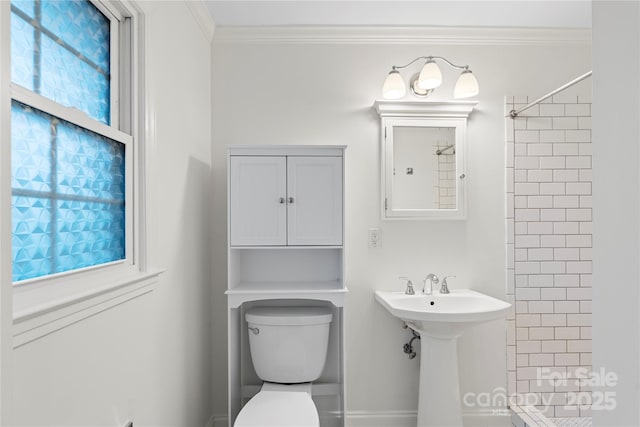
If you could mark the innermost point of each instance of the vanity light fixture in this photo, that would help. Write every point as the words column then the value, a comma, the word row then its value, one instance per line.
column 423, row 83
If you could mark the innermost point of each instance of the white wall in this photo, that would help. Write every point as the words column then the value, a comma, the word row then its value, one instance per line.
column 616, row 206
column 148, row 360
column 6, row 300
column 323, row 93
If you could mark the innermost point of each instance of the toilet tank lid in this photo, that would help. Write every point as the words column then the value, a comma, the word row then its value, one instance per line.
column 289, row 316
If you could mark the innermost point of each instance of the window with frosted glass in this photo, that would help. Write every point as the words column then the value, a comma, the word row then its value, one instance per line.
column 68, row 182
column 60, row 50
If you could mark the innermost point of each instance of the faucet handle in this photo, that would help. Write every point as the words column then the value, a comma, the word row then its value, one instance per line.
column 409, row 290
column 445, row 288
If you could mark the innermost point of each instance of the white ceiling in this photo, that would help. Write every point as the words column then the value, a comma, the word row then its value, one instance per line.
column 473, row 13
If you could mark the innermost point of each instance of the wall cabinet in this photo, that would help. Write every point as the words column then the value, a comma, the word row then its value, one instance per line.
column 285, row 200
column 423, row 172
column 285, row 228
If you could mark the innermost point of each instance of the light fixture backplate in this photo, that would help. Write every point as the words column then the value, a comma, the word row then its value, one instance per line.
column 417, row 91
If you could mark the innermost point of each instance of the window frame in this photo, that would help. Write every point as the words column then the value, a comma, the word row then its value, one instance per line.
column 42, row 305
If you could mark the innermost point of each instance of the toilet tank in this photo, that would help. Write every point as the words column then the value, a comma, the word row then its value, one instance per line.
column 288, row 344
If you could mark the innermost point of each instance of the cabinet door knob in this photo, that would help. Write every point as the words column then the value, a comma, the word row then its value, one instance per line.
column 281, row 200
column 290, row 199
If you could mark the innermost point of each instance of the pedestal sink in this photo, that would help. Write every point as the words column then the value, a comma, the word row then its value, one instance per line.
column 440, row 319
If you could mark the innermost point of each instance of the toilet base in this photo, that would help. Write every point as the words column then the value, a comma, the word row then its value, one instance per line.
column 280, row 405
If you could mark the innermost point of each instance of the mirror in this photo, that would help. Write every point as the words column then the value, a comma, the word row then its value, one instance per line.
column 424, row 167
column 423, row 172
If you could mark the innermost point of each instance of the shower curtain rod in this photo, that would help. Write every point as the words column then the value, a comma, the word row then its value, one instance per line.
column 514, row 113
column 442, row 150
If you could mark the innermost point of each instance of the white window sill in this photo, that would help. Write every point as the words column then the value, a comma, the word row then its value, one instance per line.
column 33, row 319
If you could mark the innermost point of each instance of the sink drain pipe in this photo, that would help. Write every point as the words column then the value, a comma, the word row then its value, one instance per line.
column 408, row 347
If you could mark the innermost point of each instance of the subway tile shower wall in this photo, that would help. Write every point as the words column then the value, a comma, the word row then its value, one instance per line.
column 548, row 239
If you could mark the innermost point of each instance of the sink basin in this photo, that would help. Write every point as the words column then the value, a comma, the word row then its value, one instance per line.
column 440, row 319
column 443, row 313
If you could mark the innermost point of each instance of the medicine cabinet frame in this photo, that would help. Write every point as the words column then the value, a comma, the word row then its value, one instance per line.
column 425, row 114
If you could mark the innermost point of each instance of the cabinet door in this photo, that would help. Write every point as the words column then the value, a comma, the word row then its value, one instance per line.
column 257, row 204
column 314, row 191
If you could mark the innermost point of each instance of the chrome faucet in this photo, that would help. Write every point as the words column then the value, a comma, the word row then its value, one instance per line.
column 409, row 290
column 445, row 288
column 432, row 278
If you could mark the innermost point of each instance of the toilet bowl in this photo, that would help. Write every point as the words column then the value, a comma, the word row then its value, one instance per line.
column 288, row 348
column 280, row 405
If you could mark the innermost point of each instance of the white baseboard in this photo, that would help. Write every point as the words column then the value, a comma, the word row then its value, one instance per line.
column 487, row 418
column 218, row 420
column 381, row 418
column 399, row 419
column 409, row 419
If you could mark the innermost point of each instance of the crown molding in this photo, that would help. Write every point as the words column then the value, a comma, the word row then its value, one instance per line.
column 490, row 36
column 402, row 108
column 202, row 17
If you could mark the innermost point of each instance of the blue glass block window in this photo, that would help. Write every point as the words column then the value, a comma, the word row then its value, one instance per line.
column 68, row 195
column 61, row 50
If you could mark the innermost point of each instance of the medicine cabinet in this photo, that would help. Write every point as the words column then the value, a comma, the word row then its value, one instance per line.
column 423, row 163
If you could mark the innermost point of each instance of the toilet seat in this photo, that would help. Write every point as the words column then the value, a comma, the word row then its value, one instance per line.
column 279, row 408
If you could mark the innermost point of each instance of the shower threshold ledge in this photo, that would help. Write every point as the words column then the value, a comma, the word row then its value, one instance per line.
column 530, row 416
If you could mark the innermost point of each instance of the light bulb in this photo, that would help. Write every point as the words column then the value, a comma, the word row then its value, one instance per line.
column 430, row 76
column 466, row 86
column 393, row 87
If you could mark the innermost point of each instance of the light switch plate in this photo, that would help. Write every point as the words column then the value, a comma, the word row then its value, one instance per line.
column 374, row 237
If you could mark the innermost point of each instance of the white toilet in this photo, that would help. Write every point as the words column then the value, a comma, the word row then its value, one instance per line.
column 288, row 349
